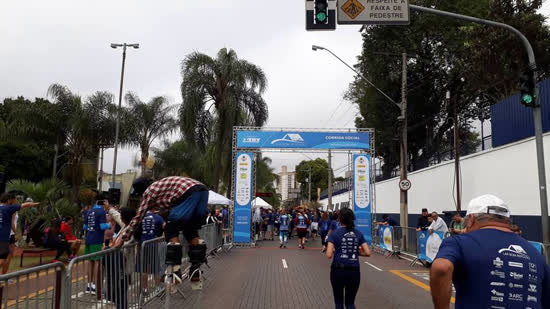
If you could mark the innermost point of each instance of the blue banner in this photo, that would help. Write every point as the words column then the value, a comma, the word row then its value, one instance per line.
column 303, row 140
column 243, row 197
column 386, row 237
column 428, row 245
column 537, row 246
column 362, row 204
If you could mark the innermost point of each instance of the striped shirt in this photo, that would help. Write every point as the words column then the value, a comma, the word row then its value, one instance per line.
column 160, row 195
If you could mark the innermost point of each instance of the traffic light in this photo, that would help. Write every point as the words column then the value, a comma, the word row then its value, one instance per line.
column 321, row 12
column 528, row 95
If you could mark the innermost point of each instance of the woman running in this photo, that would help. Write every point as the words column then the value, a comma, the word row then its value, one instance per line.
column 284, row 222
column 346, row 244
column 324, row 225
column 301, row 222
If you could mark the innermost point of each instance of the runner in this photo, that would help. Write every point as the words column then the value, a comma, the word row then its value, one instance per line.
column 301, row 222
column 346, row 244
column 324, row 225
column 284, row 222
column 315, row 224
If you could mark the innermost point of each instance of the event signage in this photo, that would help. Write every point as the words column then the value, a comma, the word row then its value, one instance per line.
column 386, row 237
column 362, row 194
column 428, row 245
column 243, row 196
column 302, row 140
column 373, row 12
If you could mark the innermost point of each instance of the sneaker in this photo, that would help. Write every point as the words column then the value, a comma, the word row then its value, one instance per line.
column 303, row 247
column 284, row 246
column 90, row 288
column 194, row 273
column 281, row 246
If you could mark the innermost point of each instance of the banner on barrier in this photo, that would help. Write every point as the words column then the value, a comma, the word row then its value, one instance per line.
column 243, row 197
column 386, row 237
column 537, row 246
column 428, row 245
column 302, row 140
column 362, row 196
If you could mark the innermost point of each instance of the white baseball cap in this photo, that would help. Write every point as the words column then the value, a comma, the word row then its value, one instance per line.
column 488, row 204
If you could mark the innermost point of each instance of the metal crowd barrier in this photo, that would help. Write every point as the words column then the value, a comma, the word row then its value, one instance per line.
column 129, row 277
column 36, row 287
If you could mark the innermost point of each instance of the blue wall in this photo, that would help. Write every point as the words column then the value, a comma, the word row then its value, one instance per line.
column 511, row 121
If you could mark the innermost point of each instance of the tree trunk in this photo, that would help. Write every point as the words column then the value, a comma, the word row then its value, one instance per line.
column 144, row 157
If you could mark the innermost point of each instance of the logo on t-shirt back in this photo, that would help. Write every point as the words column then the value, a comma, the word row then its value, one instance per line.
column 498, row 262
column 515, row 251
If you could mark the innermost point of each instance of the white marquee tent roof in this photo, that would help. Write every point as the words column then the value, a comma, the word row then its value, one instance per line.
column 259, row 202
column 217, row 199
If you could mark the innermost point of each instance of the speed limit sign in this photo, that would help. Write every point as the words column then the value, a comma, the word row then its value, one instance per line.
column 404, row 185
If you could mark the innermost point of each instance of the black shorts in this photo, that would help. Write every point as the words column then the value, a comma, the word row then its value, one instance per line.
column 301, row 233
column 4, row 249
column 314, row 231
column 189, row 229
column 12, row 239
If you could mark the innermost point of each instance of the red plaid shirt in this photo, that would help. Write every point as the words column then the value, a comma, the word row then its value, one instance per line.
column 160, row 195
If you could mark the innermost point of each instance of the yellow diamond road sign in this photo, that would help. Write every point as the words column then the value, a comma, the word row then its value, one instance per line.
column 373, row 12
column 353, row 8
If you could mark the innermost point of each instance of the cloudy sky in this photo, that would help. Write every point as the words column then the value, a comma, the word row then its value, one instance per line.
column 67, row 42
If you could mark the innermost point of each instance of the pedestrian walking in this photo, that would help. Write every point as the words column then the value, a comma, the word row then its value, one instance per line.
column 284, row 222
column 490, row 265
column 301, row 223
column 324, row 225
column 345, row 245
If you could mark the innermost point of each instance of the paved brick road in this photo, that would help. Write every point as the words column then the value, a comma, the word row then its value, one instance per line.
column 256, row 278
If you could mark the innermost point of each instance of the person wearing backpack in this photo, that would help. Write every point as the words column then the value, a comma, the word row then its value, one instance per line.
column 345, row 245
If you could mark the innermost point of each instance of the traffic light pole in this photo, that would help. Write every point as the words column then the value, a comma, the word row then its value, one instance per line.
column 537, row 116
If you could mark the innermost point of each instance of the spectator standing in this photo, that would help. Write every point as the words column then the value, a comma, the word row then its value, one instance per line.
column 95, row 225
column 8, row 207
column 225, row 215
column 345, row 245
column 13, row 240
column 270, row 226
column 257, row 220
column 438, row 224
column 490, row 266
column 67, row 230
column 218, row 215
column 458, row 225
column 423, row 222
column 387, row 220
column 211, row 217
column 152, row 227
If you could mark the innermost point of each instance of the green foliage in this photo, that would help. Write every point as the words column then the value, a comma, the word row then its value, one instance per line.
column 20, row 160
column 218, row 94
column 479, row 65
column 266, row 180
column 319, row 176
column 52, row 195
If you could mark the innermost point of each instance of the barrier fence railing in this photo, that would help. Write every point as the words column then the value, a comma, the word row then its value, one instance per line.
column 36, row 287
column 128, row 277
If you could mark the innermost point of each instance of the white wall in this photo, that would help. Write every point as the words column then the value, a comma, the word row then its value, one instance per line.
column 509, row 172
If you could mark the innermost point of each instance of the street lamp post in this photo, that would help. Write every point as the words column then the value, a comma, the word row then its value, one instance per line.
column 117, row 127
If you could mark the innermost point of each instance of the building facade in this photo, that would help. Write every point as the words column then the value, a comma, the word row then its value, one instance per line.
column 287, row 187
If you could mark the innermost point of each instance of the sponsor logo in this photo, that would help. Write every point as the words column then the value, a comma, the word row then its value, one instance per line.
column 243, row 158
column 497, row 307
column 361, row 160
column 497, row 293
column 293, row 138
column 532, row 288
column 422, row 236
column 515, row 285
column 496, row 298
column 252, row 140
column 515, row 251
column 515, row 296
column 497, row 273
column 498, row 262
column 532, row 267
column 515, row 264
column 498, row 284
column 531, row 298
column 516, row 276
column 533, row 278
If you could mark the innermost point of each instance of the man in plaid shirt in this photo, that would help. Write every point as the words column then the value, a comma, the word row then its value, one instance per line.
column 182, row 201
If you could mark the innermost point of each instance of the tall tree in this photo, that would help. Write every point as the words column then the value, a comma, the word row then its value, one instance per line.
column 266, row 179
column 319, row 176
column 147, row 121
column 479, row 65
column 218, row 94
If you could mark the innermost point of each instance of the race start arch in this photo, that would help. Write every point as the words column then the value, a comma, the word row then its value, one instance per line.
column 249, row 140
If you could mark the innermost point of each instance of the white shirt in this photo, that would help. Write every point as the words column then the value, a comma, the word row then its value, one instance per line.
column 439, row 226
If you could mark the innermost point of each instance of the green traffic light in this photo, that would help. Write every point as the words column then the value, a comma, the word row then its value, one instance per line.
column 321, row 16
column 527, row 99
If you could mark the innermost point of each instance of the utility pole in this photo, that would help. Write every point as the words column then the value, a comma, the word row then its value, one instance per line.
column 457, row 154
column 100, row 177
column 403, row 198
column 309, row 184
column 329, row 179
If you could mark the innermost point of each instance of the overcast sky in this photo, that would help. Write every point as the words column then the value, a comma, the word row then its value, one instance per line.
column 67, row 42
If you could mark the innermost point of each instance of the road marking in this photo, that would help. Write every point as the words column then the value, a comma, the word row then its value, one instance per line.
column 284, row 263
column 379, row 269
column 415, row 282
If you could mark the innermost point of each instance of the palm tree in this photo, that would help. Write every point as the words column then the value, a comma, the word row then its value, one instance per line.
column 145, row 122
column 218, row 94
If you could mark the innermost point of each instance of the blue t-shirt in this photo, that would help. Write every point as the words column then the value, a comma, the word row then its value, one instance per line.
column 334, row 225
column 151, row 226
column 270, row 218
column 496, row 269
column 301, row 222
column 93, row 221
column 323, row 226
column 284, row 222
column 6, row 212
column 392, row 222
column 346, row 245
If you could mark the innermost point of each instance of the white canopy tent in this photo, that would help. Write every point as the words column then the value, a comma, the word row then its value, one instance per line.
column 217, row 199
column 260, row 203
